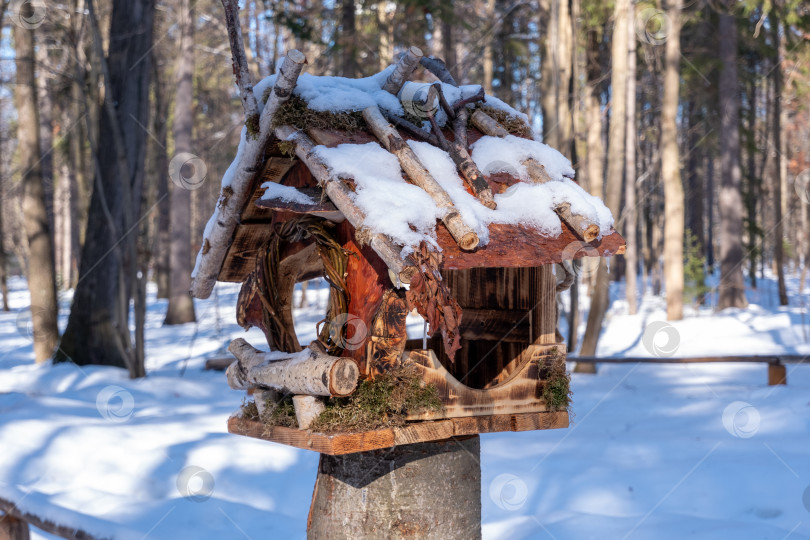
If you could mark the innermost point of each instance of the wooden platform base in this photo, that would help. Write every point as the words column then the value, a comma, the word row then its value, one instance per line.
column 416, row 432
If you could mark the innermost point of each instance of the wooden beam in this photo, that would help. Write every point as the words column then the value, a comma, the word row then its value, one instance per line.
column 772, row 360
column 348, row 443
column 10, row 509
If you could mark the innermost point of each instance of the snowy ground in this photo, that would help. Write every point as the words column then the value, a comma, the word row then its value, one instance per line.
column 699, row 451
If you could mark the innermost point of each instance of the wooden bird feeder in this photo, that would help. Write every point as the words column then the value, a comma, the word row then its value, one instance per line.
column 492, row 361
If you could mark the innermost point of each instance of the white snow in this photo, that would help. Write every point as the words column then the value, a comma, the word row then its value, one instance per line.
column 276, row 191
column 391, row 204
column 495, row 154
column 647, row 454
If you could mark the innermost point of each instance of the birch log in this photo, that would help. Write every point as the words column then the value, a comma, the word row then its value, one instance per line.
column 402, row 71
column 581, row 225
column 341, row 197
column 310, row 372
column 307, row 409
column 233, row 197
column 462, row 233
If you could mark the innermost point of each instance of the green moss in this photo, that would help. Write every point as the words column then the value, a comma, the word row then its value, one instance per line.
column 282, row 414
column 295, row 112
column 556, row 381
column 379, row 403
column 287, row 148
column 252, row 125
column 266, row 94
column 249, row 410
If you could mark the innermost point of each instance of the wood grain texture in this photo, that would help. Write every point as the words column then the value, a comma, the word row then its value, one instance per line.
column 519, row 246
column 518, row 392
column 348, row 443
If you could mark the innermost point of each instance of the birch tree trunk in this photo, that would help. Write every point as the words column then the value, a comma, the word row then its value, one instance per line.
column 41, row 274
column 670, row 167
column 181, row 305
column 731, row 291
column 418, row 491
column 630, row 216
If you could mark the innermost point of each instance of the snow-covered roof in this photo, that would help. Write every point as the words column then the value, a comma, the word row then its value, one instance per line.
column 397, row 208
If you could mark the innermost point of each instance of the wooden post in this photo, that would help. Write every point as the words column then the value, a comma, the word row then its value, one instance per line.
column 426, row 490
column 12, row 528
column 777, row 374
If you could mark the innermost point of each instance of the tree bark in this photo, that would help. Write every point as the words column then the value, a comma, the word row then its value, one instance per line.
column 731, row 291
column 779, row 168
column 98, row 327
column 427, row 490
column 161, row 173
column 630, row 216
column 671, row 169
column 311, row 372
column 181, row 305
column 41, row 274
column 348, row 39
column 600, row 296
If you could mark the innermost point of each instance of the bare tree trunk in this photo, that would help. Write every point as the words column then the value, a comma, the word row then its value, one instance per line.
column 671, row 169
column 779, row 168
column 385, row 19
column 98, row 329
column 630, row 216
column 427, row 491
column 732, row 286
column 3, row 256
column 181, row 305
column 489, row 63
column 45, row 109
column 449, row 38
column 41, row 274
column 161, row 173
column 348, row 39
column 600, row 297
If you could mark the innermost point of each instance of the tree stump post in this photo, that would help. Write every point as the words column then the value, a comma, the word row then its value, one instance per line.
column 425, row 490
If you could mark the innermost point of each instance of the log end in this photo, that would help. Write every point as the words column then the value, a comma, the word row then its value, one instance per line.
column 469, row 241
column 343, row 378
column 487, row 199
column 202, row 287
column 407, row 274
column 591, row 232
column 416, row 51
column 297, row 56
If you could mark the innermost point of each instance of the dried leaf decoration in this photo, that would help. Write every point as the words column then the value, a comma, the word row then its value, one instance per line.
column 431, row 298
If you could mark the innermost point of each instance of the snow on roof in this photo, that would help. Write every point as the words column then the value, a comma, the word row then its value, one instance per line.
column 405, row 212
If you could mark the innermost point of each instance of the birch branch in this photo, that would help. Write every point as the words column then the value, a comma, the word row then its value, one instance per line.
column 241, row 69
column 462, row 233
column 311, row 372
column 585, row 228
column 233, row 197
column 405, row 67
column 341, row 197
